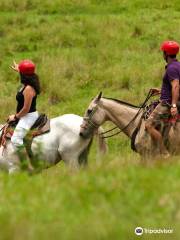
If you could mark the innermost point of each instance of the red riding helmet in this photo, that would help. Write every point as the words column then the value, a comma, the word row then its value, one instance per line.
column 170, row 47
column 26, row 67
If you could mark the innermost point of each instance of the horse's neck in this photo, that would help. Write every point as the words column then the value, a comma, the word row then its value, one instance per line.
column 121, row 114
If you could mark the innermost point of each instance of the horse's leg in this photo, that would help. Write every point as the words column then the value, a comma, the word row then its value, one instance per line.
column 13, row 163
column 74, row 164
column 9, row 161
column 13, row 168
column 4, row 165
column 83, row 156
column 69, row 154
column 174, row 139
column 70, row 159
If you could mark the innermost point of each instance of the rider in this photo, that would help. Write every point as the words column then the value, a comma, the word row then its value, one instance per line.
column 26, row 113
column 169, row 93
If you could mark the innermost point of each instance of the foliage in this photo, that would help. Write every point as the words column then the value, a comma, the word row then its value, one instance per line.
column 82, row 47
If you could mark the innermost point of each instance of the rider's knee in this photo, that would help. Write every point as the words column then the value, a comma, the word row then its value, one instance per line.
column 18, row 136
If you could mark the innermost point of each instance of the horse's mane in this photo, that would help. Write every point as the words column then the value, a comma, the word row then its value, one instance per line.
column 122, row 102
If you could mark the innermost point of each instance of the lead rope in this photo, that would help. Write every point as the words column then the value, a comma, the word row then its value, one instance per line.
column 3, row 126
column 3, row 137
column 133, row 119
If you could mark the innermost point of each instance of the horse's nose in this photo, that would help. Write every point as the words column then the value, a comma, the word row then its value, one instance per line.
column 81, row 134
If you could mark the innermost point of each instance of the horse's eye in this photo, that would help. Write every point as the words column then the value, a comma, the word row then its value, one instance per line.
column 89, row 111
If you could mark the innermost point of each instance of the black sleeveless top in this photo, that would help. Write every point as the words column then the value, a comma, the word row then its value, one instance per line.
column 20, row 101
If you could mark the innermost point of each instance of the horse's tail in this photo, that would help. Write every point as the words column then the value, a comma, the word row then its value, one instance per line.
column 101, row 141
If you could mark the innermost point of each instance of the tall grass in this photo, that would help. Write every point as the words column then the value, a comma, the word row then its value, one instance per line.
column 81, row 48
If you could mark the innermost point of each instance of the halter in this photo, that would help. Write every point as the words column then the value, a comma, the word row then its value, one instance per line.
column 89, row 118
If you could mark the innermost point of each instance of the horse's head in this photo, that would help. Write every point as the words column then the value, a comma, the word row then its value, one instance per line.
column 93, row 118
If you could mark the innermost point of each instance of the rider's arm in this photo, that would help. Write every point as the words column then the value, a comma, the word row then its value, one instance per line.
column 175, row 91
column 155, row 91
column 28, row 93
column 15, row 66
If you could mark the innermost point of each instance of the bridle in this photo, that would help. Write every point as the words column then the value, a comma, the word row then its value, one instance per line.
column 89, row 120
column 103, row 134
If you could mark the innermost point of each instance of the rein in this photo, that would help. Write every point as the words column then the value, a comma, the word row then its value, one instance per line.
column 4, row 126
column 2, row 136
column 132, row 120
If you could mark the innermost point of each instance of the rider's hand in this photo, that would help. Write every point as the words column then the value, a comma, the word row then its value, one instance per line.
column 174, row 111
column 11, row 118
column 155, row 91
column 15, row 66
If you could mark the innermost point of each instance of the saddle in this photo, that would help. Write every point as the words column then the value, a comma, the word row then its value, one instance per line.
column 166, row 121
column 164, row 117
column 41, row 126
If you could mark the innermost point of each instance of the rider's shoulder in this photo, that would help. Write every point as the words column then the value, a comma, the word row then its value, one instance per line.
column 29, row 88
column 175, row 67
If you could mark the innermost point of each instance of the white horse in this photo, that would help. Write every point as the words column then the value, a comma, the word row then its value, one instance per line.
column 63, row 142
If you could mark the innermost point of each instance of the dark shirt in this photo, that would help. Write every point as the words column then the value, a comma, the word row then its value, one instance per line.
column 172, row 72
column 20, row 101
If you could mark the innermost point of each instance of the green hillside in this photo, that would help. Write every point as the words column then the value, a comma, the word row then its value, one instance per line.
column 82, row 47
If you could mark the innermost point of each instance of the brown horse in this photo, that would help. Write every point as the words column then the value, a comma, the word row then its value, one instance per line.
column 129, row 119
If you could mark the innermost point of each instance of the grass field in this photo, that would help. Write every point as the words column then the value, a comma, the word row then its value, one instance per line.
column 82, row 47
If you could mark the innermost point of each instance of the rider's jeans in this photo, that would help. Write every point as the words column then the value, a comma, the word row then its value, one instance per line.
column 24, row 124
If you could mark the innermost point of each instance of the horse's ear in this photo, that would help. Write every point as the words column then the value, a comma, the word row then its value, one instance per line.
column 99, row 96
